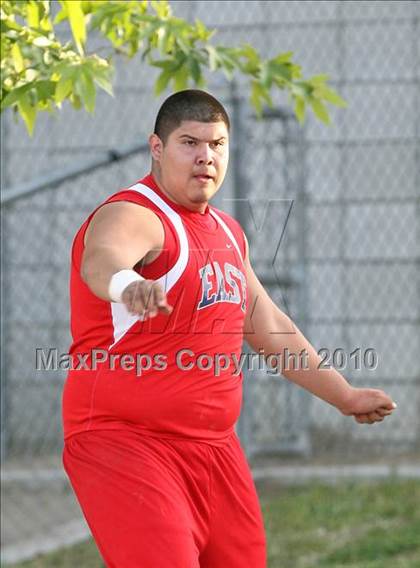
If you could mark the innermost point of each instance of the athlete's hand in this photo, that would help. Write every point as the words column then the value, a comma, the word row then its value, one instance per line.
column 368, row 405
column 146, row 298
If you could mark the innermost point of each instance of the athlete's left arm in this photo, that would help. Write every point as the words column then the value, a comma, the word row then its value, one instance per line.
column 269, row 329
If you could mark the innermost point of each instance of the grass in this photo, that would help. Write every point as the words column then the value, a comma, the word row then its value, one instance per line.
column 354, row 525
column 348, row 526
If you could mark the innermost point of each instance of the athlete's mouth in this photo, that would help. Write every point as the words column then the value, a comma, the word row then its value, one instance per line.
column 203, row 176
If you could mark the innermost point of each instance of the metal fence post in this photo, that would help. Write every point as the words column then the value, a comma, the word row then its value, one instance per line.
column 4, row 303
column 240, row 193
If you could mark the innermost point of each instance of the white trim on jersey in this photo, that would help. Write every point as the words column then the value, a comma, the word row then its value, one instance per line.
column 227, row 231
column 122, row 321
column 121, row 318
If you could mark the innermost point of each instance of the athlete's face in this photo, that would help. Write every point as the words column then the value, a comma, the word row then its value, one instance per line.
column 192, row 163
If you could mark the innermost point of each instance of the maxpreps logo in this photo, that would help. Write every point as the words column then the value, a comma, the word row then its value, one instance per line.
column 222, row 284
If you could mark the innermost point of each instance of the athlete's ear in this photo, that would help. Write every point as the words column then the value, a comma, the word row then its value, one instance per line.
column 156, row 146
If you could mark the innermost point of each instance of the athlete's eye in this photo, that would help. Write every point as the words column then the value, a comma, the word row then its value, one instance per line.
column 190, row 142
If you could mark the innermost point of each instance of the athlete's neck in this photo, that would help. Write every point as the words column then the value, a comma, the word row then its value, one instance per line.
column 195, row 207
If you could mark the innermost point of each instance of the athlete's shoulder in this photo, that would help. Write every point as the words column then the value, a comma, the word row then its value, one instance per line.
column 130, row 193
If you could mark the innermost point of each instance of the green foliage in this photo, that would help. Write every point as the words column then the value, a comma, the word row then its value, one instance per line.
column 40, row 72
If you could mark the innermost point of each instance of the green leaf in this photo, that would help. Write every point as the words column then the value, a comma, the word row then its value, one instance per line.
column 320, row 110
column 163, row 34
column 163, row 63
column 300, row 108
column 27, row 112
column 284, row 71
column 60, row 17
column 87, row 89
column 161, row 8
column 77, row 22
column 76, row 101
column 103, row 81
column 181, row 78
column 17, row 58
column 228, row 56
column 300, row 89
column 45, row 19
column 9, row 24
column 265, row 75
column 32, row 11
column 45, row 90
column 203, row 33
column 163, row 80
column 63, row 89
column 213, row 57
column 250, row 53
column 228, row 61
column 283, row 57
column 183, row 45
column 319, row 79
column 146, row 32
column 258, row 95
column 89, row 6
column 330, row 95
column 195, row 70
column 15, row 95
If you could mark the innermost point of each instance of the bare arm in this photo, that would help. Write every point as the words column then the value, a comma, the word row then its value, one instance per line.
column 269, row 329
column 118, row 237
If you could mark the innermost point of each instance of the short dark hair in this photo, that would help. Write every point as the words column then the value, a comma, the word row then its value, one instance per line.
column 190, row 104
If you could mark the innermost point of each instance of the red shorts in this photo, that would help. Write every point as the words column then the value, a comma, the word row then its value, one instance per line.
column 159, row 503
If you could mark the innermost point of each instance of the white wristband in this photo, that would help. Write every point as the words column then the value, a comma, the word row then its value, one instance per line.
column 119, row 282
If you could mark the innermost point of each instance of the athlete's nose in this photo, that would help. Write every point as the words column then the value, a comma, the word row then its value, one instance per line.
column 205, row 155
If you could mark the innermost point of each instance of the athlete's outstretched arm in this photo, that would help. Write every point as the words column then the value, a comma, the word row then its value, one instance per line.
column 269, row 329
column 119, row 236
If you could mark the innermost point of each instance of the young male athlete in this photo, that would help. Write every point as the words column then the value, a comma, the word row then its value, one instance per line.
column 161, row 292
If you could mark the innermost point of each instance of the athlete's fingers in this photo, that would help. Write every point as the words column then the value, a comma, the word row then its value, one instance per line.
column 361, row 418
column 130, row 296
column 166, row 309
column 161, row 300
column 141, row 301
column 146, row 298
column 137, row 294
column 149, row 299
column 385, row 400
column 156, row 300
column 384, row 412
column 369, row 418
column 375, row 417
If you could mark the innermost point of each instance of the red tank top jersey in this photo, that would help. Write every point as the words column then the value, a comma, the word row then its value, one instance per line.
column 169, row 376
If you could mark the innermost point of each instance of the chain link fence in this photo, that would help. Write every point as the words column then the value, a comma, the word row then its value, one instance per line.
column 333, row 219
